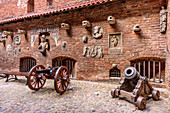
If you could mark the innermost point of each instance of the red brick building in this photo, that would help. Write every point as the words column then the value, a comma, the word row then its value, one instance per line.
column 95, row 39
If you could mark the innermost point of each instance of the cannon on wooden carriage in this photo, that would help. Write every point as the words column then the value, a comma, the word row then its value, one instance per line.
column 38, row 74
column 135, row 88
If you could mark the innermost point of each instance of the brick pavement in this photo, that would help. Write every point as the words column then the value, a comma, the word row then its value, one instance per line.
column 81, row 97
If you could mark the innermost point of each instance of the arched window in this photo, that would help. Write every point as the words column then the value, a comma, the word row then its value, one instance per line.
column 114, row 72
column 26, row 64
column 65, row 61
column 30, row 6
column 152, row 68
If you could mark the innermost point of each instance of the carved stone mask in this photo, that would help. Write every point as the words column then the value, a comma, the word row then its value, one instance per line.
column 111, row 20
column 136, row 28
column 65, row 26
column 86, row 24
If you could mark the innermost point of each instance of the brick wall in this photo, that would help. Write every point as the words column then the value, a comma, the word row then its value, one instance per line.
column 149, row 43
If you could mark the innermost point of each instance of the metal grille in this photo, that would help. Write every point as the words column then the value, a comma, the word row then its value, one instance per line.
column 68, row 62
column 115, row 73
column 151, row 68
column 26, row 64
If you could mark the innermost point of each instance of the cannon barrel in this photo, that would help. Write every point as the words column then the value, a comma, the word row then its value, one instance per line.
column 131, row 73
column 43, row 71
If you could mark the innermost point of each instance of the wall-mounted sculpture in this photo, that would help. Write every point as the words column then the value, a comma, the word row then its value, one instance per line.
column 163, row 20
column 85, row 39
column 56, row 37
column 17, row 39
column 21, row 31
column 9, row 50
column 43, row 45
column 33, row 38
column 137, row 28
column 86, row 24
column 93, row 51
column 111, row 20
column 65, row 26
column 97, row 32
column 64, row 44
column 115, row 42
column 8, row 33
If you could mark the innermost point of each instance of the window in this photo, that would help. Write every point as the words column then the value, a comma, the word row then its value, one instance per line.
column 115, row 72
column 30, row 6
column 49, row 2
column 64, row 61
column 26, row 64
column 152, row 68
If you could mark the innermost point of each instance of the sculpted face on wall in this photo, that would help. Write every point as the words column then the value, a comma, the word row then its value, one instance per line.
column 97, row 32
column 136, row 28
column 17, row 39
column 163, row 20
column 43, row 45
column 65, row 26
column 111, row 20
column 86, row 24
column 93, row 51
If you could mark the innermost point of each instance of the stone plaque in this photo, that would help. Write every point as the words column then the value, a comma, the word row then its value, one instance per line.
column 93, row 51
column 33, row 38
column 115, row 42
column 17, row 40
column 97, row 32
column 55, row 36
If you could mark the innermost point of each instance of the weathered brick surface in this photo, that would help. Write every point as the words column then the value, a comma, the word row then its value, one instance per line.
column 150, row 42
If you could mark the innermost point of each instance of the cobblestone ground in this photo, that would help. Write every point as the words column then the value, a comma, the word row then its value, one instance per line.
column 81, row 97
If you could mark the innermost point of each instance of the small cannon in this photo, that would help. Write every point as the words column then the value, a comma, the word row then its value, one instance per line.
column 135, row 88
column 38, row 74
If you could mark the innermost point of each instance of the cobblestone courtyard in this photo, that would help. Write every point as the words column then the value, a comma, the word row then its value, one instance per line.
column 81, row 97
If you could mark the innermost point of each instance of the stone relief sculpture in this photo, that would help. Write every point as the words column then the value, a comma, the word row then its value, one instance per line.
column 93, row 51
column 86, row 24
column 55, row 36
column 97, row 32
column 33, row 38
column 9, row 50
column 8, row 33
column 111, row 20
column 163, row 19
column 17, row 39
column 65, row 26
column 136, row 28
column 15, row 52
column 43, row 45
column 85, row 39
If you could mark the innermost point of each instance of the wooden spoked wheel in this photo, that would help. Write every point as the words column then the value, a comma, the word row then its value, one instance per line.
column 113, row 93
column 36, row 81
column 141, row 102
column 155, row 95
column 61, row 79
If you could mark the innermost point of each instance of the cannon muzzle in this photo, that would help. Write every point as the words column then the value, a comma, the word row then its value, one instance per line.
column 131, row 73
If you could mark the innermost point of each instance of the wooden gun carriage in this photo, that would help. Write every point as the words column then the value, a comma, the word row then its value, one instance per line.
column 38, row 74
column 135, row 88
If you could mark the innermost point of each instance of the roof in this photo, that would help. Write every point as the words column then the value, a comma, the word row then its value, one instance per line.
column 56, row 10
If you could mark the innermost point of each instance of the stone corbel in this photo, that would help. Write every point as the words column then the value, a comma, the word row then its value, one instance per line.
column 137, row 28
column 111, row 20
column 65, row 26
column 86, row 24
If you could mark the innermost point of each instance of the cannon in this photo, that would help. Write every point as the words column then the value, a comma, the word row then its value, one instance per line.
column 38, row 74
column 135, row 88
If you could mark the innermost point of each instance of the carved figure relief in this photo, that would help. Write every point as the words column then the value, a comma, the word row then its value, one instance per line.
column 43, row 45
column 93, row 51
column 85, row 39
column 86, row 24
column 55, row 36
column 111, row 20
column 97, row 32
column 65, row 26
column 33, row 38
column 163, row 19
column 9, row 50
column 17, row 40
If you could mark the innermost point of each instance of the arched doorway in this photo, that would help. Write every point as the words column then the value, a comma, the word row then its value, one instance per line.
column 27, row 63
column 65, row 61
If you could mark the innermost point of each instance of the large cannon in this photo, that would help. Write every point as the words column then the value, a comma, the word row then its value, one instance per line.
column 38, row 74
column 135, row 88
